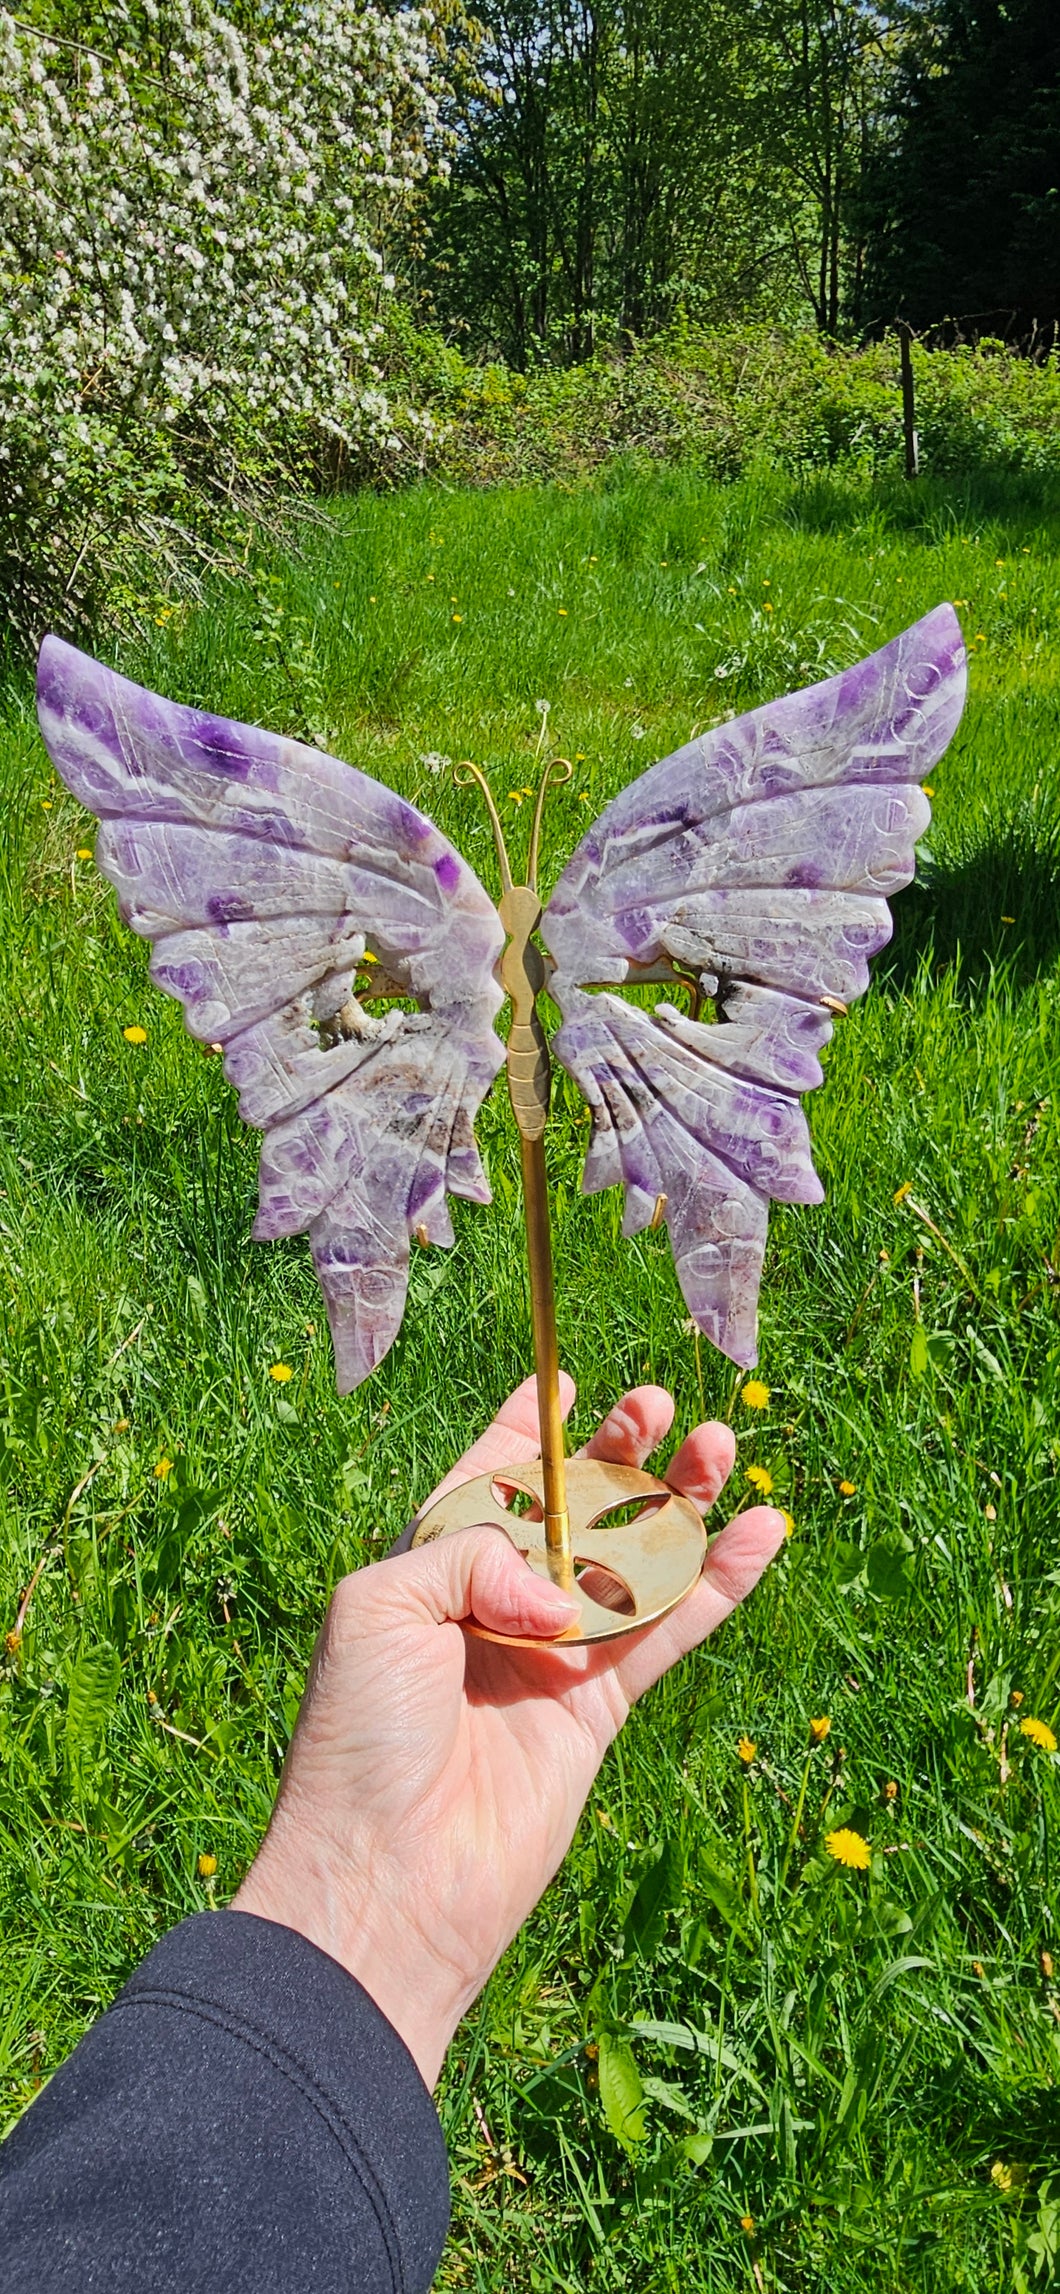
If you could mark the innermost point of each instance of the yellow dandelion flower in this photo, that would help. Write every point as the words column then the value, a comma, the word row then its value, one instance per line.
column 135, row 1035
column 760, row 1479
column 562, row 612
column 767, row 608
column 1008, row 919
column 164, row 1467
column 84, row 852
column 282, row 1372
column 1039, row 1733
column 928, row 792
column 755, row 1395
column 207, row 1867
column 901, row 1192
column 1008, row 2178
column 849, row 1848
column 747, row 1749
column 819, row 1728
column 458, row 617
column 788, row 1521
column 45, row 804
column 847, row 1489
column 890, row 1790
column 747, row 2223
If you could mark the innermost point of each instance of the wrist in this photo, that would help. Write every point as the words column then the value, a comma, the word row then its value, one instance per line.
column 420, row 1993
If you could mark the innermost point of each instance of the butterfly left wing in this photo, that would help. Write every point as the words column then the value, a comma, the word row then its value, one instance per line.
column 263, row 871
column 758, row 860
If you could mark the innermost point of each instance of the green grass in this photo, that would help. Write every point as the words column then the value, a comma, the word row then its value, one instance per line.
column 870, row 2044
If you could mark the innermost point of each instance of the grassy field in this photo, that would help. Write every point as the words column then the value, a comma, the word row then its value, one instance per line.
column 847, row 2079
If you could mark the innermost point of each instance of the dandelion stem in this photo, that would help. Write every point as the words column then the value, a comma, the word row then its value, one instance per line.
column 752, row 1876
column 797, row 1821
column 920, row 1213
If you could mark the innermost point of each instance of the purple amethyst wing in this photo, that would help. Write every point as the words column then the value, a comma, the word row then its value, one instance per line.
column 758, row 860
column 264, row 872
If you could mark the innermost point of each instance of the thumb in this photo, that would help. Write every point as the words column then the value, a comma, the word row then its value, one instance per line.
column 479, row 1573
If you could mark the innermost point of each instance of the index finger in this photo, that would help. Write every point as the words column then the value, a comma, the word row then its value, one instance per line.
column 512, row 1440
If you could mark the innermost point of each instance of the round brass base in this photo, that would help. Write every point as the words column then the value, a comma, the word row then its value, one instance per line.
column 637, row 1546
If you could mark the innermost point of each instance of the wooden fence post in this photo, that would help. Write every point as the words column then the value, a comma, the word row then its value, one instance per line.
column 912, row 442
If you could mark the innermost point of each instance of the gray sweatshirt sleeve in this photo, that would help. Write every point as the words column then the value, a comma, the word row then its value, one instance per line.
column 242, row 2118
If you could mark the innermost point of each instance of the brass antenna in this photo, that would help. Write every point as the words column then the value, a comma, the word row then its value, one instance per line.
column 555, row 774
column 463, row 775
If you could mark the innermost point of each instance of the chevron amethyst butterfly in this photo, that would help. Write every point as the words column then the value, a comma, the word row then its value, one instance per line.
column 752, row 866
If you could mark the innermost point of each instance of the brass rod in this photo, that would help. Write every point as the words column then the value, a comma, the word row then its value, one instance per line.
column 546, row 1360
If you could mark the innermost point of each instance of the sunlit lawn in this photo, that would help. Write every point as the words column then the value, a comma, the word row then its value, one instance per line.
column 834, row 2079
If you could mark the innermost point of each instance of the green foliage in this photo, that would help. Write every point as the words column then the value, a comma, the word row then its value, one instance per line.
column 715, row 2051
column 622, row 161
column 725, row 399
column 622, row 2095
column 567, row 220
column 94, row 1684
column 962, row 195
column 658, row 1894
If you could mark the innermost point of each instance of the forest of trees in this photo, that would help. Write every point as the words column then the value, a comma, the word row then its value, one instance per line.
column 621, row 162
column 242, row 240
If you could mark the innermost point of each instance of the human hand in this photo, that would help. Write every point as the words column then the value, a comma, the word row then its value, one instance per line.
column 434, row 1781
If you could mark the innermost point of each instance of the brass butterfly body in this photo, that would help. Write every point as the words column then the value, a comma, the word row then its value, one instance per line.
column 645, row 1564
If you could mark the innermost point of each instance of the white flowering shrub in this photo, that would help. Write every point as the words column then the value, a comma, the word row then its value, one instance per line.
column 192, row 267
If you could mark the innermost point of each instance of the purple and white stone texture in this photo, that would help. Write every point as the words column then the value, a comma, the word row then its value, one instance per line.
column 758, row 859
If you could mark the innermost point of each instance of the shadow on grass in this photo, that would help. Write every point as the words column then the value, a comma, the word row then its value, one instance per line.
column 995, row 906
column 936, row 509
column 1022, row 2124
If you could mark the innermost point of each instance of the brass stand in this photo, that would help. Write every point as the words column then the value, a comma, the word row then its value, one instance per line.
column 648, row 1563
column 635, row 1569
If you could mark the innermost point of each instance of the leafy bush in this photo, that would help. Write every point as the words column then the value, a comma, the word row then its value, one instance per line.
column 191, row 275
column 723, row 399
